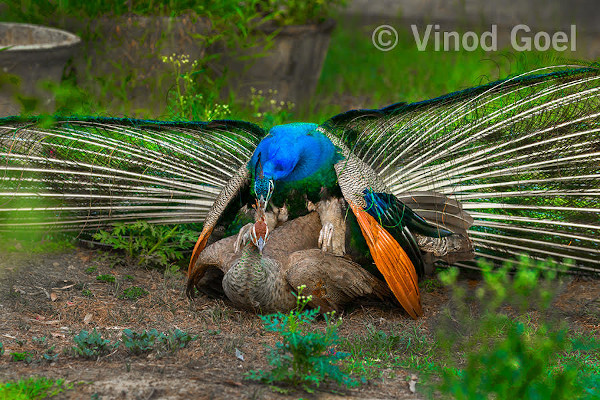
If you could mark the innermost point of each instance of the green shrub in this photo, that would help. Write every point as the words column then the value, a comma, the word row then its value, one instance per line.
column 1, row 349
column 145, row 244
column 492, row 348
column 302, row 359
column 92, row 345
column 32, row 388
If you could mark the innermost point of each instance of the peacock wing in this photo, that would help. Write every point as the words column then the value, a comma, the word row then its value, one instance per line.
column 391, row 258
column 520, row 156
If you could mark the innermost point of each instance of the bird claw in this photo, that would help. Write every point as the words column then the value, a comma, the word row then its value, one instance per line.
column 326, row 237
column 242, row 237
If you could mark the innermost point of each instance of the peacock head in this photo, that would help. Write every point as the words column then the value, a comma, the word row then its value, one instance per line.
column 263, row 187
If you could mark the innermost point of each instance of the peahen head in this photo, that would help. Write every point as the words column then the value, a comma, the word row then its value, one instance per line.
column 260, row 231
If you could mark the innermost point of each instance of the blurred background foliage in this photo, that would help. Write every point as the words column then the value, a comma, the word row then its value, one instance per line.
column 355, row 74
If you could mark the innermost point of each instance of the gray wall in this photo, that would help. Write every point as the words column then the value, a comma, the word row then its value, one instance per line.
column 548, row 15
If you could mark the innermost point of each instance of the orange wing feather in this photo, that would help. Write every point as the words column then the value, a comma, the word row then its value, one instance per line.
column 200, row 245
column 392, row 261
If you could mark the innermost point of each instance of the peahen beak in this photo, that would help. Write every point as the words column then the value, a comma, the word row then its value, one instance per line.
column 259, row 234
column 260, row 244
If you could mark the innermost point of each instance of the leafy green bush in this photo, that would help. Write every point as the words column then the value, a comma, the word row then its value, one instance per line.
column 493, row 350
column 150, row 245
column 33, row 388
column 302, row 359
column 92, row 345
column 1, row 349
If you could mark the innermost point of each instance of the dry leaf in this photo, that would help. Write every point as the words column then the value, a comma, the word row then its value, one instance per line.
column 239, row 354
column 53, row 296
column 87, row 319
column 57, row 335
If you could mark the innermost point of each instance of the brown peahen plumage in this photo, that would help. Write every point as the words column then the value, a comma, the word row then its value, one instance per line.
column 501, row 169
column 264, row 278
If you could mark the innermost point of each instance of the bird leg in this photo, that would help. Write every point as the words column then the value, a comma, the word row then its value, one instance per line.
column 332, row 237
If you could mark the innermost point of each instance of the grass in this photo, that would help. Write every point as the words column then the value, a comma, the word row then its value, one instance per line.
column 32, row 388
column 403, row 347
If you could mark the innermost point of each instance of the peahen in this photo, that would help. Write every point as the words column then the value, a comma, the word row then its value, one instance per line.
column 494, row 171
column 261, row 275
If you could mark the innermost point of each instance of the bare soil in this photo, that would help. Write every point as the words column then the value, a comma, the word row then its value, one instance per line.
column 52, row 296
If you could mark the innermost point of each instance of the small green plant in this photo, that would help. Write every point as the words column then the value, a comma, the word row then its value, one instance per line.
column 92, row 345
column 129, row 278
column 106, row 278
column 139, row 343
column 50, row 354
column 178, row 339
column 33, row 388
column 25, row 356
column 150, row 245
column 40, row 341
column 1, row 349
column 91, row 270
column 147, row 341
column 430, row 285
column 87, row 293
column 502, row 354
column 302, row 359
column 187, row 100
column 133, row 293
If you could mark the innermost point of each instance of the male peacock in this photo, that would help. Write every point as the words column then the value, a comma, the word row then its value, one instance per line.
column 501, row 169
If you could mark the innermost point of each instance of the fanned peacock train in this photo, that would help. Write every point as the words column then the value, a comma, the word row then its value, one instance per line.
column 507, row 168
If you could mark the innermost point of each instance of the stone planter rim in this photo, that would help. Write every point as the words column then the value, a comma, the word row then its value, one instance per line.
column 325, row 27
column 69, row 40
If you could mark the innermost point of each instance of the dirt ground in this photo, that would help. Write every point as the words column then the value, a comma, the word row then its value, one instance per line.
column 57, row 295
